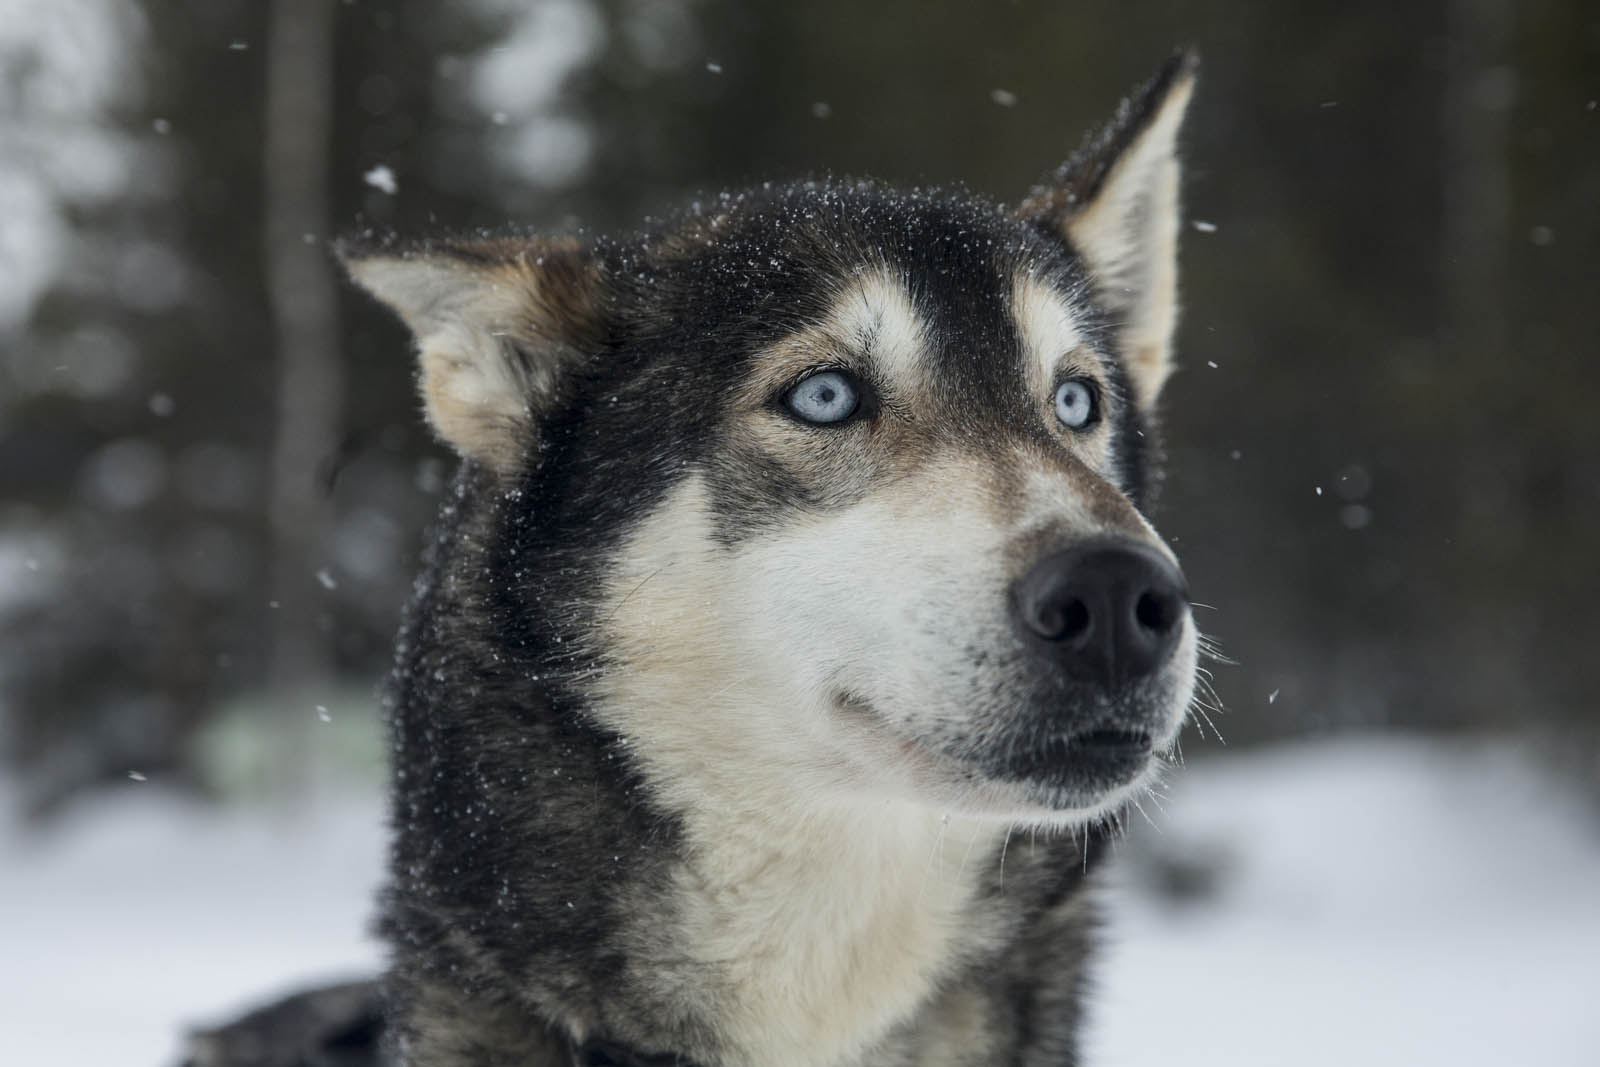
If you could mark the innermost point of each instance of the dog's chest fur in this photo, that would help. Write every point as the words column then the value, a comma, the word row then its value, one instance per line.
column 827, row 933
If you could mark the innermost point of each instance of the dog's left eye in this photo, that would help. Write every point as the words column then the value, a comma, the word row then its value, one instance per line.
column 825, row 397
column 1076, row 404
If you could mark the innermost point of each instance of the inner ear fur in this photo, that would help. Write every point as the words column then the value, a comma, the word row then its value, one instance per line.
column 499, row 326
column 1116, row 203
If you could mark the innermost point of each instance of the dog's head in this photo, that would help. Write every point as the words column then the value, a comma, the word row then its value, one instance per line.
column 840, row 486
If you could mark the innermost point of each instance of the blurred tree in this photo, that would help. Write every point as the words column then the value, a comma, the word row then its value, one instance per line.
column 310, row 390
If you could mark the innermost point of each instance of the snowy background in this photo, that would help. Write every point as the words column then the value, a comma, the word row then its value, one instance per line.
column 1376, row 900
column 1382, row 451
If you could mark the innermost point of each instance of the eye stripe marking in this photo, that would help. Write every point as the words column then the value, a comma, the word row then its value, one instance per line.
column 875, row 311
column 1048, row 329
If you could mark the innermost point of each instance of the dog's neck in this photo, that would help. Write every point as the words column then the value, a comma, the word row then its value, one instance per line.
column 811, row 913
column 827, row 931
column 758, row 930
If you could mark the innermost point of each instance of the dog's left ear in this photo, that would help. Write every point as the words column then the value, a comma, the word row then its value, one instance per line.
column 1116, row 202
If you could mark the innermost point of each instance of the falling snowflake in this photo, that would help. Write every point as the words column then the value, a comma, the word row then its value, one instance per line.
column 382, row 179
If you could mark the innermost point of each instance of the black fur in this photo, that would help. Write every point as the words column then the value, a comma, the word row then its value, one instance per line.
column 525, row 846
column 531, row 855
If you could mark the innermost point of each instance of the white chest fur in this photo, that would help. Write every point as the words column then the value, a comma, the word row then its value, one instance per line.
column 826, row 932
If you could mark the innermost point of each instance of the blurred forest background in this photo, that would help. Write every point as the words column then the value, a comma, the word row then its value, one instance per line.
column 214, row 479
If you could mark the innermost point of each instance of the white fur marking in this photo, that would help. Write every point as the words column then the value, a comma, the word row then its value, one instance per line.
column 1048, row 329
column 832, row 855
column 876, row 312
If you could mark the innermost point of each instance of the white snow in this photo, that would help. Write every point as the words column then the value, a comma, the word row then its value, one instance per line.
column 1382, row 902
column 382, row 179
column 141, row 914
column 520, row 83
column 68, row 64
column 543, row 45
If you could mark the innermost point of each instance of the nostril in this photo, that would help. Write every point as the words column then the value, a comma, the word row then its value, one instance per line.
column 1156, row 612
column 1060, row 621
column 1074, row 620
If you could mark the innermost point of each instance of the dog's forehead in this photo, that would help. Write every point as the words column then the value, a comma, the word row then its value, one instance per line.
column 927, row 277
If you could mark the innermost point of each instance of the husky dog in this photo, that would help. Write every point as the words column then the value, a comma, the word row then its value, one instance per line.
column 793, row 630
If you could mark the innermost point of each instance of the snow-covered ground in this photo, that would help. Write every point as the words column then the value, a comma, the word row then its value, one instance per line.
column 1382, row 902
column 1373, row 902
column 142, row 914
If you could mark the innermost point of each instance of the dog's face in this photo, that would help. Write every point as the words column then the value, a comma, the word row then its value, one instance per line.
column 845, row 482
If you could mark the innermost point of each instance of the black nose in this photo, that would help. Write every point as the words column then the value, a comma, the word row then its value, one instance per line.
column 1108, row 612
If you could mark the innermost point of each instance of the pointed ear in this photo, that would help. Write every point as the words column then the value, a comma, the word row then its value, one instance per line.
column 1116, row 202
column 499, row 325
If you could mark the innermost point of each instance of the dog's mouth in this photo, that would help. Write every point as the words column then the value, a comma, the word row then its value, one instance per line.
column 1070, row 769
column 1103, row 756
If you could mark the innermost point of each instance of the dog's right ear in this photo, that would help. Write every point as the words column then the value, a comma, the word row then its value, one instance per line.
column 499, row 324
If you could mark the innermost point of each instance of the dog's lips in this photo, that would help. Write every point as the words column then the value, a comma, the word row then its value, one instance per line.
column 1075, row 769
column 1104, row 756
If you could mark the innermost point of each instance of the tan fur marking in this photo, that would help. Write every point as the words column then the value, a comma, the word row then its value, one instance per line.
column 1062, row 486
column 494, row 322
column 1129, row 235
column 1121, row 212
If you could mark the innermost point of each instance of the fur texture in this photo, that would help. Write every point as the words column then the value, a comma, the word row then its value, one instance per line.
column 715, row 736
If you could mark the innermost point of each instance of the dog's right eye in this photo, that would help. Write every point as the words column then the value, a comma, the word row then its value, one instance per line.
column 825, row 397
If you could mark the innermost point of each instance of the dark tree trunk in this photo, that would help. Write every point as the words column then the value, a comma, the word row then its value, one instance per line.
column 310, row 379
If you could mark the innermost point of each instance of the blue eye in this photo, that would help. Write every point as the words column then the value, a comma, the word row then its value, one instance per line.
column 825, row 397
column 1075, row 404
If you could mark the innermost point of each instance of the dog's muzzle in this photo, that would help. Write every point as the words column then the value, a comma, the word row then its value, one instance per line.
column 1105, row 618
